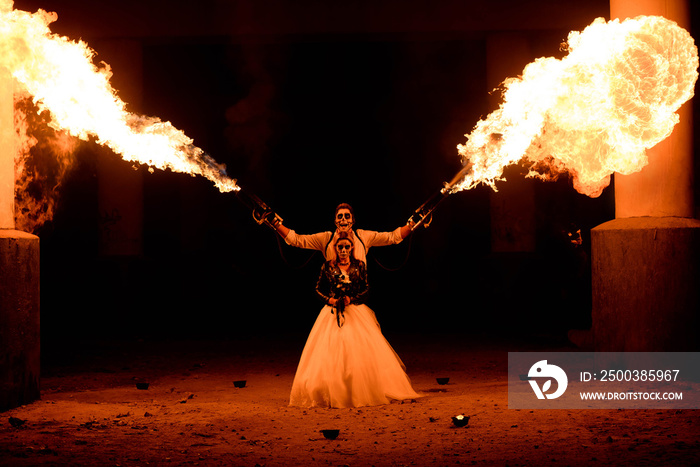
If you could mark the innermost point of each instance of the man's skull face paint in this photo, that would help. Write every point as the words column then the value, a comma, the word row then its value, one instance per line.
column 343, row 220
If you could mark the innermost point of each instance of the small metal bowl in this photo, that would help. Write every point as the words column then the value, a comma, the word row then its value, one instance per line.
column 442, row 381
column 142, row 385
column 460, row 420
column 239, row 384
column 330, row 434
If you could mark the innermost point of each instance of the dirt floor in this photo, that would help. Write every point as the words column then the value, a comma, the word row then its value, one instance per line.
column 92, row 413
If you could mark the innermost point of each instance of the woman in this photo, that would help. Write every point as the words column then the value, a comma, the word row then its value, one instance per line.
column 347, row 362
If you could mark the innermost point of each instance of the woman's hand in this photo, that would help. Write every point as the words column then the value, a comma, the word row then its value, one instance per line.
column 334, row 301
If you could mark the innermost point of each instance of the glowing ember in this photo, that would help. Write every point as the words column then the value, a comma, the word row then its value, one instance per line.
column 592, row 113
column 63, row 80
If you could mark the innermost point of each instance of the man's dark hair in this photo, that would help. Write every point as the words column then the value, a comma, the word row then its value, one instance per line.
column 345, row 206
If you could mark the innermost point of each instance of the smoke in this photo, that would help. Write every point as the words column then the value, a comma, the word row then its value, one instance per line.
column 44, row 157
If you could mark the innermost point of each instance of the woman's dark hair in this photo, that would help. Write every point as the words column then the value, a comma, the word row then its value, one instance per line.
column 345, row 236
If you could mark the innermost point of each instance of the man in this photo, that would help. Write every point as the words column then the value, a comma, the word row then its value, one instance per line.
column 344, row 221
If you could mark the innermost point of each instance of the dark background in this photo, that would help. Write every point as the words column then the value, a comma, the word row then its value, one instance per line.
column 310, row 104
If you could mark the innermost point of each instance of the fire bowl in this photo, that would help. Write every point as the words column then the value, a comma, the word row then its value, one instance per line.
column 330, row 434
column 142, row 385
column 442, row 381
column 460, row 420
column 239, row 384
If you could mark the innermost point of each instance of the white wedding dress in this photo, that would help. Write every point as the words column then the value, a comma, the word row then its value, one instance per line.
column 349, row 366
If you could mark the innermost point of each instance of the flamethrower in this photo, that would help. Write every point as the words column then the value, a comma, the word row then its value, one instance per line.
column 424, row 214
column 262, row 213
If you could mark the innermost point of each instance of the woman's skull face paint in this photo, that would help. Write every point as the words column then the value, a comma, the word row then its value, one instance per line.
column 344, row 249
column 343, row 220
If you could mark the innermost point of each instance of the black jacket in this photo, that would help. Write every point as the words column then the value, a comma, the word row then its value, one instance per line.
column 333, row 283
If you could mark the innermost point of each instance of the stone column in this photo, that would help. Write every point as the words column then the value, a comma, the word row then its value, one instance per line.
column 7, row 152
column 646, row 262
column 664, row 188
column 20, row 361
column 19, row 275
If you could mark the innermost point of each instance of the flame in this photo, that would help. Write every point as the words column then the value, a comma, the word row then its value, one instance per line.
column 592, row 113
column 42, row 160
column 61, row 77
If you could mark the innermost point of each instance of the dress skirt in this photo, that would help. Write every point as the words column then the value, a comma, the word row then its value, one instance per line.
column 349, row 366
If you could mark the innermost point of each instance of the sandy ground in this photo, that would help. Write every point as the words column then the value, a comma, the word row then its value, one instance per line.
column 91, row 412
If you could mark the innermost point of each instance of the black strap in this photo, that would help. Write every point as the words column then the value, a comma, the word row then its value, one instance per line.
column 325, row 250
column 281, row 250
column 363, row 243
column 403, row 263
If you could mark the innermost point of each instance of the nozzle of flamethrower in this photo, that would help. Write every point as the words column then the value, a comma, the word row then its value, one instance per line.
column 424, row 214
column 262, row 213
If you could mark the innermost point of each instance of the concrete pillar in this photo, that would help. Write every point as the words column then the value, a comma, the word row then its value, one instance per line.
column 19, row 319
column 7, row 152
column 19, row 275
column 645, row 263
column 645, row 284
column 664, row 188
